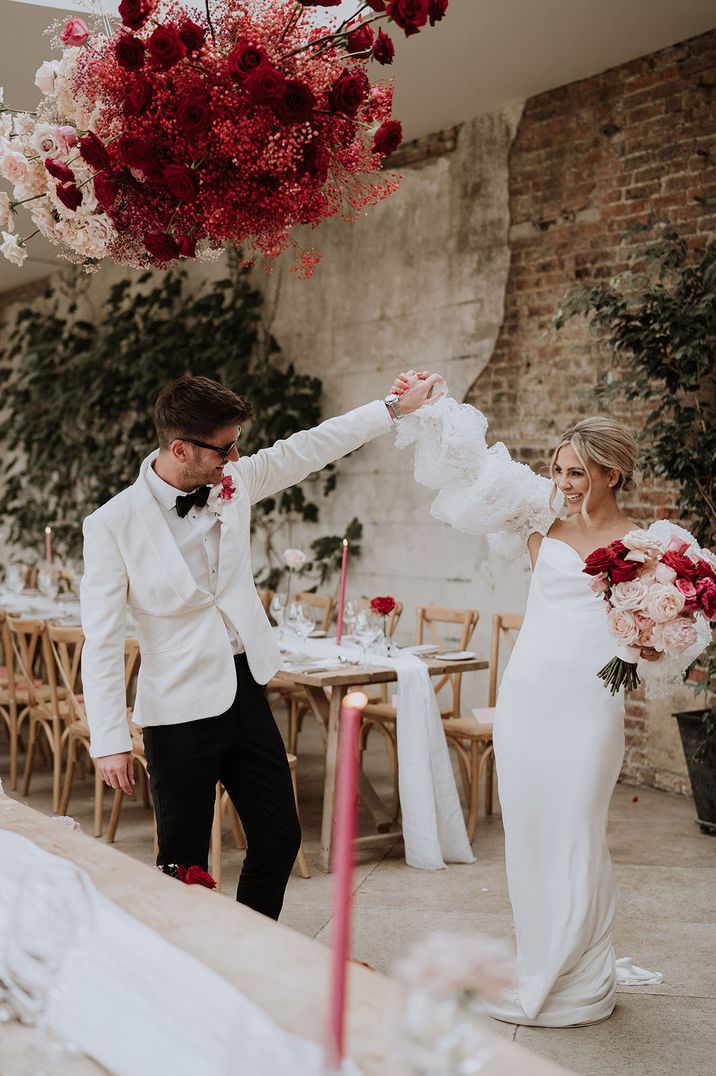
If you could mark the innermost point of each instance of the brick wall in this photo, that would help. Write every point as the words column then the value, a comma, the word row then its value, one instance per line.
column 589, row 158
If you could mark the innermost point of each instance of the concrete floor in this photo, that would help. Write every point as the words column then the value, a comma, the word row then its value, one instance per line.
column 666, row 876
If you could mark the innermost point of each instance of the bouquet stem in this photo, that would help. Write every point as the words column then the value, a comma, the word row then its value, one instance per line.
column 618, row 673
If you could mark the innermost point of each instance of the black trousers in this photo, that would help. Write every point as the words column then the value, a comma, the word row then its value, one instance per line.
column 244, row 750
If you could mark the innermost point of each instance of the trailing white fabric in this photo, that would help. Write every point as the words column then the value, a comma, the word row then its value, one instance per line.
column 433, row 824
column 630, row 974
column 482, row 490
column 135, row 1003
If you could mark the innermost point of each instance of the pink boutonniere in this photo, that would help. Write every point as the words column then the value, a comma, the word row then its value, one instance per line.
column 221, row 494
column 228, row 489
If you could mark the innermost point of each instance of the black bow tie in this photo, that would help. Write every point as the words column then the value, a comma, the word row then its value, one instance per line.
column 199, row 497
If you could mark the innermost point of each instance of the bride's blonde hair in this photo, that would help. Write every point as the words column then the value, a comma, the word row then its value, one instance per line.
column 606, row 443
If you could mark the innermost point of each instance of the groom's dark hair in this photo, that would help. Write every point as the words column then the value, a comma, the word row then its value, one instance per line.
column 195, row 407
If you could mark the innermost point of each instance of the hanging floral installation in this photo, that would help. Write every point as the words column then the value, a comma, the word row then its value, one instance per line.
column 176, row 133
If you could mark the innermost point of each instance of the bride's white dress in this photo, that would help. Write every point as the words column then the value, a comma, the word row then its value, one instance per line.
column 558, row 734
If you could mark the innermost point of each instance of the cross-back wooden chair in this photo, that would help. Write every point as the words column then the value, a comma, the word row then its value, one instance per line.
column 323, row 605
column 381, row 714
column 265, row 595
column 224, row 806
column 471, row 737
column 47, row 701
column 14, row 697
column 64, row 581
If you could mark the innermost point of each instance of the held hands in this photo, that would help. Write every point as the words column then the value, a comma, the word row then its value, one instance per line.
column 117, row 771
column 414, row 389
column 649, row 653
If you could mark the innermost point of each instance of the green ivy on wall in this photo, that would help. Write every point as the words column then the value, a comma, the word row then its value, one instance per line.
column 78, row 391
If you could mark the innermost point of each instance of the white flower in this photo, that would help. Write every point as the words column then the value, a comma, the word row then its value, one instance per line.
column 294, row 559
column 629, row 595
column 11, row 249
column 623, row 625
column 50, row 139
column 709, row 557
column 44, row 221
column 7, row 219
column 641, row 541
column 5, row 124
column 45, row 75
column 13, row 167
column 448, row 964
column 664, row 602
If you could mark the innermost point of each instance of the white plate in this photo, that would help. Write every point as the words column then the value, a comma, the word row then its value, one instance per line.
column 317, row 633
column 457, row 655
column 421, row 648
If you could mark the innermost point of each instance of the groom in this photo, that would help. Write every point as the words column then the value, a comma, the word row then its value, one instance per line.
column 174, row 550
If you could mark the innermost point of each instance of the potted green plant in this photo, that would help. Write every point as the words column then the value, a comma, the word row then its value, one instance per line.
column 658, row 322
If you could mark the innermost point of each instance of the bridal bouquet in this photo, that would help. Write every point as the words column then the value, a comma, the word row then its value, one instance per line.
column 660, row 589
column 176, row 133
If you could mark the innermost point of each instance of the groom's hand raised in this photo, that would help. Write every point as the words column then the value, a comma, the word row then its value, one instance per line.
column 414, row 389
column 117, row 771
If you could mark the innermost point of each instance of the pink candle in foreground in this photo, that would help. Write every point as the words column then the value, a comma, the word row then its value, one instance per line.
column 344, row 833
column 48, row 546
column 342, row 593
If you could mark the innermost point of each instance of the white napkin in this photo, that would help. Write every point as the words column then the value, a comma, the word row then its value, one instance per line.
column 433, row 824
column 630, row 974
column 136, row 1004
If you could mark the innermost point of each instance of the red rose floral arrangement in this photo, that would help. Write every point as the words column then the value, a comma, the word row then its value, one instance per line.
column 175, row 134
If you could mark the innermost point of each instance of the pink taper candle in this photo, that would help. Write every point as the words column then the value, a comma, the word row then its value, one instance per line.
column 344, row 833
column 48, row 546
column 342, row 593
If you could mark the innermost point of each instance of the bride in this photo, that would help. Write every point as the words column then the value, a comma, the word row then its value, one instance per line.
column 558, row 733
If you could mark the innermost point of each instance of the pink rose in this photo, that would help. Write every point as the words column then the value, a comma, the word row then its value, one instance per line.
column 652, row 637
column 599, row 583
column 678, row 635
column 706, row 593
column 631, row 594
column 688, row 589
column 677, row 545
column 664, row 602
column 74, row 32
column 46, row 74
column 642, row 621
column 623, row 626
column 448, row 964
column 664, row 574
column 13, row 166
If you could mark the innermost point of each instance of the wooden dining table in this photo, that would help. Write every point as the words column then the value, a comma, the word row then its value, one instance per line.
column 283, row 972
column 326, row 705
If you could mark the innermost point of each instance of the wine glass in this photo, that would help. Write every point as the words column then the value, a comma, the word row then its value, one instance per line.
column 368, row 630
column 51, row 919
column 15, row 578
column 305, row 620
column 350, row 615
column 47, row 583
column 277, row 609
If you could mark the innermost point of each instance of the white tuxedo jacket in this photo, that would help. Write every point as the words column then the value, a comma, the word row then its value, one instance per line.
column 131, row 561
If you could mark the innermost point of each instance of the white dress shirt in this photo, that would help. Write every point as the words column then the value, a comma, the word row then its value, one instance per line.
column 197, row 535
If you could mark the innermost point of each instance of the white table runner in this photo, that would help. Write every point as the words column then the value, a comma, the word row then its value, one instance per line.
column 433, row 825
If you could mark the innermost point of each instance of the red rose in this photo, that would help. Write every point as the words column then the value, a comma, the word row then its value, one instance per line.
column 69, row 194
column 621, row 571
column 265, row 86
column 683, row 566
column 320, row 3
column 348, row 92
column 197, row 876
column 384, row 49
column 377, row 5
column 166, row 47
column 136, row 153
column 104, row 190
column 161, row 246
column 409, row 15
column 436, row 10
column 706, row 594
column 388, row 137
column 244, row 59
column 129, row 51
column 194, row 113
column 191, row 35
column 704, row 570
column 383, row 606
column 186, row 246
column 360, row 39
column 316, row 161
column 59, row 170
column 600, row 560
column 134, row 13
column 139, row 98
column 94, row 151
column 181, row 181
column 297, row 103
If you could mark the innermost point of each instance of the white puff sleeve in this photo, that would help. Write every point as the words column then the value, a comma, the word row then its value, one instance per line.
column 481, row 490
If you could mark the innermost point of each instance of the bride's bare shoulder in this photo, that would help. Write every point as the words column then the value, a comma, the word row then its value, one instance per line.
column 533, row 546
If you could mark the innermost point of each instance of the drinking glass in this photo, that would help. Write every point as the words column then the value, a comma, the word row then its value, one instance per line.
column 47, row 583
column 51, row 919
column 350, row 615
column 305, row 620
column 368, row 630
column 15, row 578
column 277, row 609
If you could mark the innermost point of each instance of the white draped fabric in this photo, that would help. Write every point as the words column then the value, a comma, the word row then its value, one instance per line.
column 135, row 1003
column 433, row 824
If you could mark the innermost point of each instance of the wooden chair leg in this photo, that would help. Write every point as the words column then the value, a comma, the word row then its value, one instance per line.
column 144, row 787
column 98, row 803
column 114, row 815
column 69, row 774
column 14, row 742
column 56, row 771
column 475, row 770
column 489, row 778
column 215, row 848
column 29, row 757
column 301, row 857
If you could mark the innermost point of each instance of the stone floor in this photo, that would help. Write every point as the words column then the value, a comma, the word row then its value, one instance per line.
column 666, row 876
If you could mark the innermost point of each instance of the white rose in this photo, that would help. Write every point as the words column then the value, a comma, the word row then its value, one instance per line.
column 5, row 124
column 13, row 167
column 623, row 626
column 629, row 595
column 11, row 249
column 709, row 557
column 45, row 75
column 7, row 219
column 664, row 574
column 664, row 602
column 44, row 221
column 294, row 559
column 641, row 541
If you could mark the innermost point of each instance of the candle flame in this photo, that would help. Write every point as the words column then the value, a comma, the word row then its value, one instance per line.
column 356, row 700
column 48, row 530
column 345, row 541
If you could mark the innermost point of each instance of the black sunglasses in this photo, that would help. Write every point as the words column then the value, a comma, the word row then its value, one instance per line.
column 225, row 452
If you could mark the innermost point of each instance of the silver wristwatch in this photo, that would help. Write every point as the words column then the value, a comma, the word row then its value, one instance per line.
column 392, row 402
